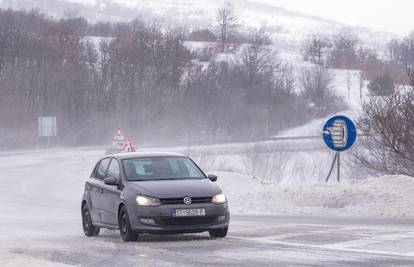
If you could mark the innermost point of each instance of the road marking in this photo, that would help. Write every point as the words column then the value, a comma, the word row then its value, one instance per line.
column 326, row 247
column 367, row 231
column 372, row 240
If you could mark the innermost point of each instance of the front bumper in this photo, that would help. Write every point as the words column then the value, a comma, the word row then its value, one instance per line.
column 159, row 219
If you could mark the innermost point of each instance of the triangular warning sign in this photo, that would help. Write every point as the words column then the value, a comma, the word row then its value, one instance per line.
column 119, row 136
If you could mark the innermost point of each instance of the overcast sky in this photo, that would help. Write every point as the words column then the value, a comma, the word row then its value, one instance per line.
column 395, row 16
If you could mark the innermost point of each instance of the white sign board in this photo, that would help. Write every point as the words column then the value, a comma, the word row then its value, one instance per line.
column 47, row 127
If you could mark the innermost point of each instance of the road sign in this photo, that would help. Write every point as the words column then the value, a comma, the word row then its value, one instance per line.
column 47, row 126
column 119, row 136
column 339, row 133
column 127, row 147
column 121, row 141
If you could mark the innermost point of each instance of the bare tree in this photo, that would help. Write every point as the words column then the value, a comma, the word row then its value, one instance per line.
column 361, row 79
column 410, row 74
column 382, row 85
column 402, row 51
column 388, row 123
column 227, row 22
column 141, row 73
column 315, row 49
column 258, row 58
column 390, row 144
column 317, row 86
column 343, row 54
column 348, row 84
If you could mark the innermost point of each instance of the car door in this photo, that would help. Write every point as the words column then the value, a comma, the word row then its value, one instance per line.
column 95, row 186
column 111, row 195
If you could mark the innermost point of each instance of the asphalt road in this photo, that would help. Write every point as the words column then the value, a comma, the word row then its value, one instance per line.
column 252, row 241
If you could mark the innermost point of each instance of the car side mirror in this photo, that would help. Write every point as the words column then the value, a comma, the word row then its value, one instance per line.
column 212, row 177
column 111, row 181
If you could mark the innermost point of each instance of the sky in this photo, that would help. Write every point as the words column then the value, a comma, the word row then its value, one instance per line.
column 396, row 16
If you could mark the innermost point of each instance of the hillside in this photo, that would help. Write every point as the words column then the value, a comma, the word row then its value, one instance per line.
column 282, row 23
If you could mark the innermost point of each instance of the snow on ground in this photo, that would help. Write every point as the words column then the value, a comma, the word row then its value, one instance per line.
column 352, row 96
column 284, row 162
column 44, row 190
column 388, row 196
column 40, row 222
column 17, row 260
column 41, row 193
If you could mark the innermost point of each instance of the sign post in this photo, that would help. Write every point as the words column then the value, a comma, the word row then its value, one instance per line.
column 47, row 129
column 339, row 134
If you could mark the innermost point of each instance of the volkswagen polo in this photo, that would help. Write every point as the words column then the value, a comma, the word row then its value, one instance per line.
column 153, row 193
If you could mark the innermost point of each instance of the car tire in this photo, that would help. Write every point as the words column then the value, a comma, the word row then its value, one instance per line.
column 218, row 233
column 88, row 228
column 127, row 234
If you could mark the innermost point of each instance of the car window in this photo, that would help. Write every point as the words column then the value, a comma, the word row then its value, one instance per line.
column 102, row 169
column 113, row 170
column 191, row 168
column 161, row 168
column 174, row 166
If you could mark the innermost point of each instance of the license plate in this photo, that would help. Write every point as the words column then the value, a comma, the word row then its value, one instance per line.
column 188, row 212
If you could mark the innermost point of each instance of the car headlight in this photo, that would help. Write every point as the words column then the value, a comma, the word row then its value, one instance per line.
column 148, row 201
column 219, row 199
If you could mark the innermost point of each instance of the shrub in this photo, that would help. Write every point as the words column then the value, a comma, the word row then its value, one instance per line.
column 382, row 85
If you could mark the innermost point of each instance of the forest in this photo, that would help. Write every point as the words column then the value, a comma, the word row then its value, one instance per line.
column 143, row 76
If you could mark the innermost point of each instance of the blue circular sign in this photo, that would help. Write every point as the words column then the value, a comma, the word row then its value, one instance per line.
column 339, row 133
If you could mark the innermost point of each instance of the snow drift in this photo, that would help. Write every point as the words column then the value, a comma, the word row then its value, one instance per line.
column 52, row 183
column 387, row 196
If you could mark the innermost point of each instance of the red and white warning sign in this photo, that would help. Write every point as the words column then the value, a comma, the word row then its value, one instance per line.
column 120, row 140
column 119, row 136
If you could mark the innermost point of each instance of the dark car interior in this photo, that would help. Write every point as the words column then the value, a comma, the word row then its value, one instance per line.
column 160, row 169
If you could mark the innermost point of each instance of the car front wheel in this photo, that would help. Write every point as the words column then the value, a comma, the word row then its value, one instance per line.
column 88, row 228
column 218, row 233
column 127, row 234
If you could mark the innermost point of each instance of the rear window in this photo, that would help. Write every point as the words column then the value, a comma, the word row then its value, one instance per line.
column 161, row 168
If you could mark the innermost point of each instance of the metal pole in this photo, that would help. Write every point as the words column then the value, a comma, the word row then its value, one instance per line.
column 332, row 167
column 339, row 167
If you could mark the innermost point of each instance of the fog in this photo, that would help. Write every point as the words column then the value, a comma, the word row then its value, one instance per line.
column 145, row 77
column 250, row 90
column 381, row 15
column 224, row 76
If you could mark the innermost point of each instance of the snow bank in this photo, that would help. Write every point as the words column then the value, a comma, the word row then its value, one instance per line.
column 388, row 196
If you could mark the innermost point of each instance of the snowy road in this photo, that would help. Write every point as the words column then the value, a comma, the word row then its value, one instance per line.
column 260, row 241
column 40, row 225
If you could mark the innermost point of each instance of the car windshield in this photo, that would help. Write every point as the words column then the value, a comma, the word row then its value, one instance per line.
column 161, row 168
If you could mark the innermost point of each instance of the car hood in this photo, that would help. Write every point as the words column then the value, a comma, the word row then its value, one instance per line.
column 176, row 188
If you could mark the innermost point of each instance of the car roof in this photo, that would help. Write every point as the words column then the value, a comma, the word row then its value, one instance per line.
column 131, row 155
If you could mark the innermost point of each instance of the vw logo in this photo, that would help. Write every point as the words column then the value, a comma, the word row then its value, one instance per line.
column 187, row 200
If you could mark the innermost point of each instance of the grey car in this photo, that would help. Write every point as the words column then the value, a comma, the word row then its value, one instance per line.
column 154, row 193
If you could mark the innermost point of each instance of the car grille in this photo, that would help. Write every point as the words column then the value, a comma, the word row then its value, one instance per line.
column 194, row 200
column 185, row 221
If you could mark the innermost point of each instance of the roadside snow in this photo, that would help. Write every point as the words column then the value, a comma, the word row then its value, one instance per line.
column 42, row 193
column 19, row 259
column 387, row 196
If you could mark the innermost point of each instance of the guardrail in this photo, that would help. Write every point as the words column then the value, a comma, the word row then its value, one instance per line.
column 224, row 142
